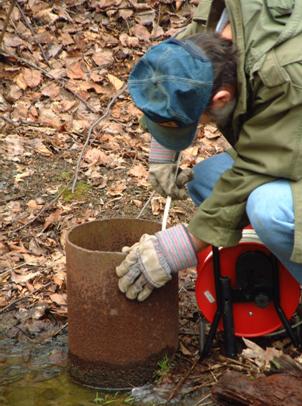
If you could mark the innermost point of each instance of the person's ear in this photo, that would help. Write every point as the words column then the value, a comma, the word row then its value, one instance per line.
column 221, row 98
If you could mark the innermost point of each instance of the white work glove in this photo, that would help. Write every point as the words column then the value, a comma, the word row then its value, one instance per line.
column 163, row 179
column 151, row 262
column 162, row 172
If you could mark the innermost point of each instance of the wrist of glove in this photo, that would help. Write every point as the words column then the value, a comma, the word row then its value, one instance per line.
column 163, row 179
column 151, row 262
column 162, row 172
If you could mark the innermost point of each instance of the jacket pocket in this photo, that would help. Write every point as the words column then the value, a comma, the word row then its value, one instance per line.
column 280, row 9
column 272, row 73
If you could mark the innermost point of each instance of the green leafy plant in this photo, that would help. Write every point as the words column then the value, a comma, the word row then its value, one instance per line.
column 163, row 367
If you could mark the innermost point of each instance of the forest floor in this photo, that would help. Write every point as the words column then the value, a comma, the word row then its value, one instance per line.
column 72, row 151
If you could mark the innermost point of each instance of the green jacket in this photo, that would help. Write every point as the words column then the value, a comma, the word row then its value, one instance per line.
column 266, row 129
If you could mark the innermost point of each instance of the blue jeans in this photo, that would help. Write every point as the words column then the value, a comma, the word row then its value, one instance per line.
column 269, row 208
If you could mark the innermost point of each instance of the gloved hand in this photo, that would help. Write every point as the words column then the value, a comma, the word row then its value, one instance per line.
column 163, row 179
column 151, row 262
column 162, row 172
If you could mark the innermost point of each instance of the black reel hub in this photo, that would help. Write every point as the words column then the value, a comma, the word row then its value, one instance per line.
column 254, row 279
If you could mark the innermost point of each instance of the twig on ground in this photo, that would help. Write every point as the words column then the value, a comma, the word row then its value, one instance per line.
column 157, row 23
column 48, row 75
column 19, row 122
column 29, row 26
column 145, row 205
column 201, row 386
column 200, row 402
column 26, row 334
column 6, row 22
column 52, row 335
column 4, row 274
column 214, row 376
column 20, row 299
column 60, row 329
column 47, row 206
column 182, row 380
column 212, row 368
column 91, row 128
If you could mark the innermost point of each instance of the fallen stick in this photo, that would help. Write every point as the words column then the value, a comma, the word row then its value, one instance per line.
column 19, row 122
column 28, row 24
column 91, row 128
column 20, row 299
column 182, row 381
column 47, row 206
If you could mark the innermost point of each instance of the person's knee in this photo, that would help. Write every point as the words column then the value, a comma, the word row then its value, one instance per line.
column 197, row 187
column 206, row 174
column 269, row 209
column 256, row 208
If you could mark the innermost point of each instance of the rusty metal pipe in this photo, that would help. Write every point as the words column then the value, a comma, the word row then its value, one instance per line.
column 114, row 342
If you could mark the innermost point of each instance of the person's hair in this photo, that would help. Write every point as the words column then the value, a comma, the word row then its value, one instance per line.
column 223, row 55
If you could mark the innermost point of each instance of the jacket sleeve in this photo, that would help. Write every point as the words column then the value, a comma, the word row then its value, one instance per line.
column 269, row 147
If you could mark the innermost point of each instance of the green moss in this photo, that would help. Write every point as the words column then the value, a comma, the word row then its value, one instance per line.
column 81, row 192
column 64, row 176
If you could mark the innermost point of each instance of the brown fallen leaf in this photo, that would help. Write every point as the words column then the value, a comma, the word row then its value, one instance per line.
column 258, row 355
column 49, row 118
column 47, row 16
column 138, row 203
column 125, row 14
column 59, row 278
column 53, row 90
column 157, row 205
column 23, row 277
column 3, row 301
column 12, row 41
column 59, row 298
column 178, row 4
column 94, row 156
column 32, row 77
column 34, row 248
column 66, row 105
column 211, row 132
column 127, row 41
column 66, row 38
column 76, row 71
column 32, row 204
column 52, row 219
column 20, row 176
column 14, row 93
column 103, row 58
column 40, row 148
column 184, row 350
column 116, row 82
column 141, row 32
column 38, row 311
column 13, row 245
column 15, row 206
column 116, row 189
column 139, row 171
column 34, row 260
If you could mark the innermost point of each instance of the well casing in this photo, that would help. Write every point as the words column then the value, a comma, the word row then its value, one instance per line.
column 114, row 342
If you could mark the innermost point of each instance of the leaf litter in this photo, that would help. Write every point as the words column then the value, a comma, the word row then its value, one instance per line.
column 61, row 67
